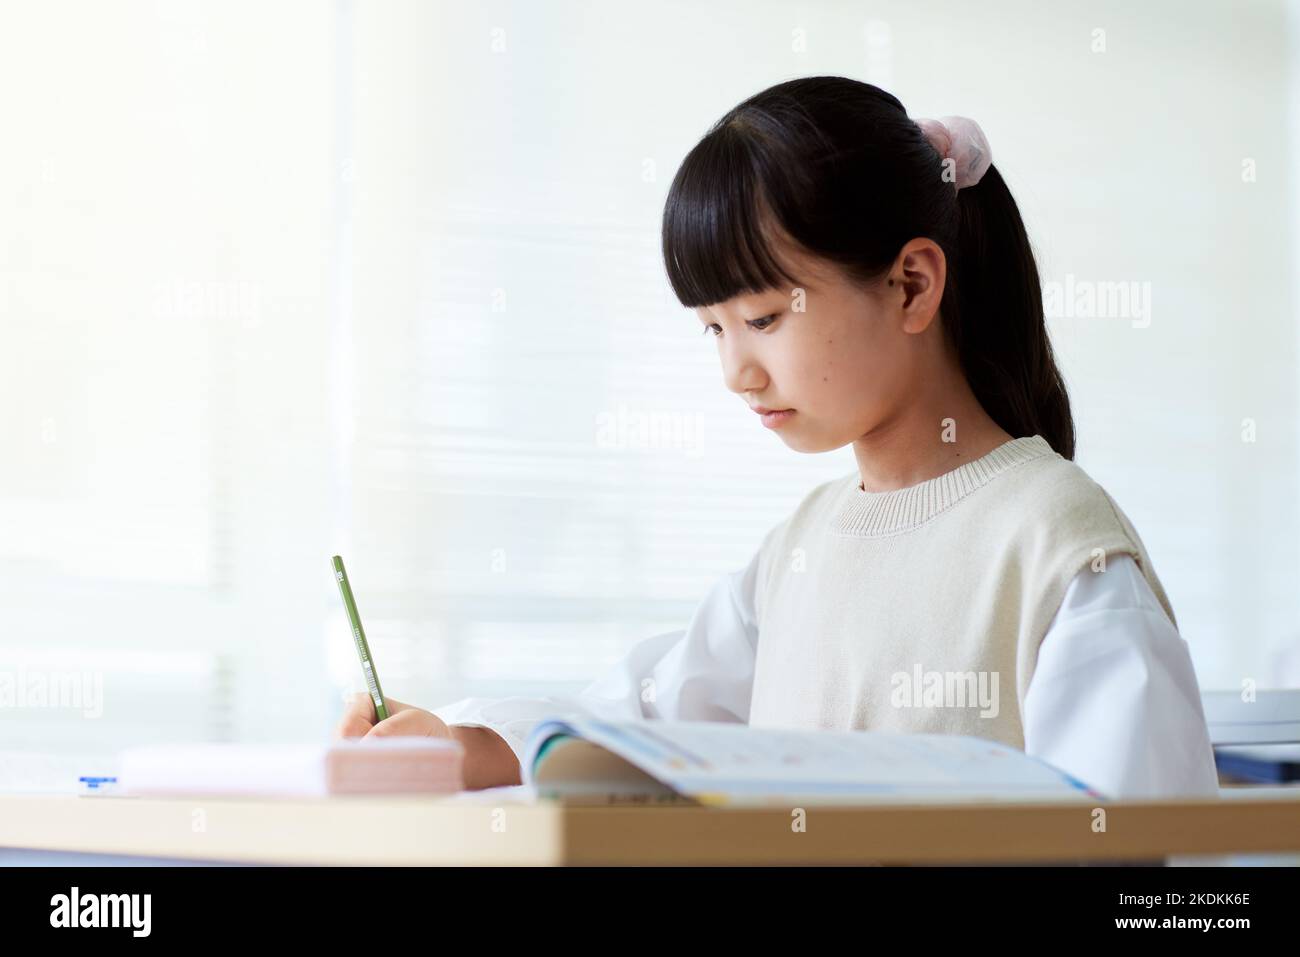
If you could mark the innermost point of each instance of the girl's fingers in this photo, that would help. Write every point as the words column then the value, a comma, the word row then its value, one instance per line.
column 358, row 718
column 352, row 726
column 358, row 704
column 411, row 721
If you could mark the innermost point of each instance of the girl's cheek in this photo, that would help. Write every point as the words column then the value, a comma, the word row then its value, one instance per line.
column 815, row 374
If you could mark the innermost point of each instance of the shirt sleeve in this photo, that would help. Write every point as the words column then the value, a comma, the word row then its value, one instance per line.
column 704, row 672
column 1114, row 699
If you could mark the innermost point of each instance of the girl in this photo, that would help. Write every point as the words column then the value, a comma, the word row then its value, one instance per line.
column 868, row 281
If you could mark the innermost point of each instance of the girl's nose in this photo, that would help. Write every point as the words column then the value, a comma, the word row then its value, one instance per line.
column 741, row 373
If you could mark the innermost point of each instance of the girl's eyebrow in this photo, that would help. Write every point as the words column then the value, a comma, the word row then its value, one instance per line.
column 712, row 321
column 787, row 297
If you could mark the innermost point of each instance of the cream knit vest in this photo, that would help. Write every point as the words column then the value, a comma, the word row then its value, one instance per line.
column 922, row 609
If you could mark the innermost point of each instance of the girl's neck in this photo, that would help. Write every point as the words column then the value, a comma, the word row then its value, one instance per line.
column 915, row 446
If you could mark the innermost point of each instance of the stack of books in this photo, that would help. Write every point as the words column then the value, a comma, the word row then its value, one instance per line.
column 1256, row 736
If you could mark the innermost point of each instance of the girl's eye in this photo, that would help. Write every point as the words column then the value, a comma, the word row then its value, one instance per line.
column 758, row 324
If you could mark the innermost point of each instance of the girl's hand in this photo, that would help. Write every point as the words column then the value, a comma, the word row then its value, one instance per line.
column 358, row 720
column 489, row 761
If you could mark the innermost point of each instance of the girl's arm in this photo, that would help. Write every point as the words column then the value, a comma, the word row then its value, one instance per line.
column 703, row 672
column 1114, row 699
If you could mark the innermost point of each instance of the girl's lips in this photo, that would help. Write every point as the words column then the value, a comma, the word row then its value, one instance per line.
column 774, row 419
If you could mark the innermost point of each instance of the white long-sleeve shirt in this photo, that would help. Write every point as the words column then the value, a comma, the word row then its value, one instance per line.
column 1113, row 699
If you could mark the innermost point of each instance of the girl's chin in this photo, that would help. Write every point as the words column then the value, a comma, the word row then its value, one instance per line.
column 806, row 443
column 801, row 441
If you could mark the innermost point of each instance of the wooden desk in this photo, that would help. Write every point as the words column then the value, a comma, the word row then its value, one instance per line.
column 409, row 831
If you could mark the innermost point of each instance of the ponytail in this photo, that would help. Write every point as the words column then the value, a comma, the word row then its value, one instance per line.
column 995, row 318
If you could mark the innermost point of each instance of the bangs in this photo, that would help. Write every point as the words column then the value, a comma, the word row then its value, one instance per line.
column 719, row 233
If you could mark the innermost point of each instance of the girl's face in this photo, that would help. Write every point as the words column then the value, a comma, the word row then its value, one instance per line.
column 846, row 365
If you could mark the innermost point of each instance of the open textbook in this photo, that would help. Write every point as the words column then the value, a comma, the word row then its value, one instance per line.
column 710, row 762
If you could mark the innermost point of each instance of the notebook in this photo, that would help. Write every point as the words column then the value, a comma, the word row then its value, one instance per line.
column 397, row 765
column 715, row 763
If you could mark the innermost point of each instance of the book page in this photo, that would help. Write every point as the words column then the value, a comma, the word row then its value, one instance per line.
column 729, row 763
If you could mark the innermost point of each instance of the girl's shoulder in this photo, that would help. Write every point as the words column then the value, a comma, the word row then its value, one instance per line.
column 1055, row 489
column 1054, row 506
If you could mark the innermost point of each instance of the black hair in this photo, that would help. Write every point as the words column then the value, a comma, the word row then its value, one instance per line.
column 837, row 166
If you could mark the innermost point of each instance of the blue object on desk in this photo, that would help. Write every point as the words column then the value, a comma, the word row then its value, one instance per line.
column 1271, row 763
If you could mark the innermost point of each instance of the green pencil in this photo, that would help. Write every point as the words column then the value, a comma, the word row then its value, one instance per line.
column 350, row 603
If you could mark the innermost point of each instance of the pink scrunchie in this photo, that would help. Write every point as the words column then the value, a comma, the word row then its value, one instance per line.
column 960, row 139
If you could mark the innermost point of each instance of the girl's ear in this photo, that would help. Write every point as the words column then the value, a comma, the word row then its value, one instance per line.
column 918, row 279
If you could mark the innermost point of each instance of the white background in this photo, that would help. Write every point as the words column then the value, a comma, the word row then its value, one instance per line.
column 280, row 280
